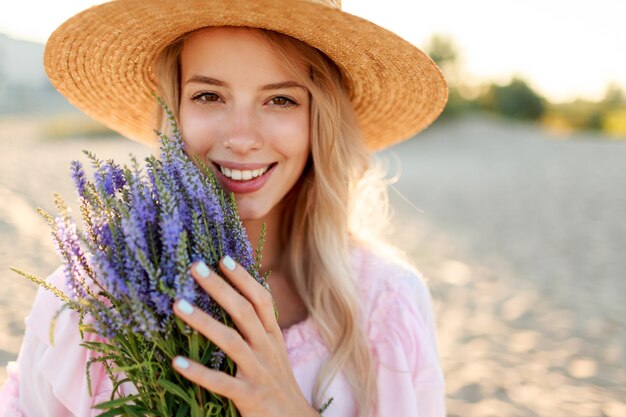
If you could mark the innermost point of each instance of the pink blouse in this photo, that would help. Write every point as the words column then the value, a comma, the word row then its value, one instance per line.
column 48, row 380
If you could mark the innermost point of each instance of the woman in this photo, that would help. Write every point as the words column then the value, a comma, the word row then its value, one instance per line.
column 284, row 99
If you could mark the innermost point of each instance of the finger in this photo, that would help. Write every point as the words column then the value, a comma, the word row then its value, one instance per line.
column 259, row 297
column 214, row 381
column 243, row 312
column 227, row 338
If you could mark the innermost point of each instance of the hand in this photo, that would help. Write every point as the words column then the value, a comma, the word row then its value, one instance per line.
column 264, row 384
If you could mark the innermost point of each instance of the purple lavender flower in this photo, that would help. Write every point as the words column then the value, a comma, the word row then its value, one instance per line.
column 171, row 230
column 237, row 244
column 143, row 231
column 78, row 175
column 68, row 247
column 109, row 320
column 196, row 188
column 109, row 177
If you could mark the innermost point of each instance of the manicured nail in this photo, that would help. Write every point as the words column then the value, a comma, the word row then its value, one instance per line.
column 229, row 263
column 181, row 362
column 202, row 270
column 185, row 307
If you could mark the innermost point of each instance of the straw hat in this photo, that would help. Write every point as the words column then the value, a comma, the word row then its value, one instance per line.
column 100, row 60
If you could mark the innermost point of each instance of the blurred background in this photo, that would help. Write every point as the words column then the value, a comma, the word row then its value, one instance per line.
column 511, row 204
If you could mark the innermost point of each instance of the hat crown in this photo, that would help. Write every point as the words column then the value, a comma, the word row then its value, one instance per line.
column 335, row 4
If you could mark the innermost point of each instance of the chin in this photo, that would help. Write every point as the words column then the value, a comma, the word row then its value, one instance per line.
column 251, row 213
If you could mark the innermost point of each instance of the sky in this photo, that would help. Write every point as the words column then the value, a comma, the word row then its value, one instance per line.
column 563, row 48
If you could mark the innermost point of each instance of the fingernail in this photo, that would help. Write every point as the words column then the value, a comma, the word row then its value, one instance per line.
column 181, row 362
column 185, row 307
column 202, row 270
column 229, row 263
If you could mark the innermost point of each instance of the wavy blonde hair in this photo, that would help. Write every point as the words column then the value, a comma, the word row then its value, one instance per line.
column 326, row 211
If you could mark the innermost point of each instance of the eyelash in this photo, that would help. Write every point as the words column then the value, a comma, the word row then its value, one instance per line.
column 201, row 99
column 288, row 102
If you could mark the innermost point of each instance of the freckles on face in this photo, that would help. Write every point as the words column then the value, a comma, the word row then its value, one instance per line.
column 245, row 114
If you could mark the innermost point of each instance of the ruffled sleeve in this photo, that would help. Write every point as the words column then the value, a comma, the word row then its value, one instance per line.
column 402, row 334
column 50, row 379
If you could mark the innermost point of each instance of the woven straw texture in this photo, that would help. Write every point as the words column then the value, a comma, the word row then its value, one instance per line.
column 100, row 60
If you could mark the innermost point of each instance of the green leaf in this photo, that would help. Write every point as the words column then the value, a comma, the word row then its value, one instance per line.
column 174, row 389
column 196, row 411
column 183, row 328
column 116, row 402
column 232, row 410
column 183, row 410
column 208, row 349
column 131, row 411
column 117, row 385
column 194, row 346
column 119, row 411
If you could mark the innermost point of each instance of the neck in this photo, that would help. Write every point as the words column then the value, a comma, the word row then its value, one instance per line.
column 273, row 248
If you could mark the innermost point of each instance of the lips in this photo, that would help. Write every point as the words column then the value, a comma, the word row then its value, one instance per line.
column 243, row 178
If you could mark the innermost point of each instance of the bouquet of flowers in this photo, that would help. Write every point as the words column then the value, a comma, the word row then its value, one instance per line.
column 142, row 228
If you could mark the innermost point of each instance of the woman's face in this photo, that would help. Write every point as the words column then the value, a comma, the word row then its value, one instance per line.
column 245, row 115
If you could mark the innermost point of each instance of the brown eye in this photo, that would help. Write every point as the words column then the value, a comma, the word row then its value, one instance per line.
column 206, row 97
column 282, row 101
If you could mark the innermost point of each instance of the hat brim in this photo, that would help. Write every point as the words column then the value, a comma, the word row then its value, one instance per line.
column 100, row 60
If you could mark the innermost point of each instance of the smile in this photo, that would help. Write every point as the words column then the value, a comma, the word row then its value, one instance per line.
column 243, row 178
column 242, row 175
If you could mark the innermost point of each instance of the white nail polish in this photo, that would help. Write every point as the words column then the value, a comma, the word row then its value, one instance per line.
column 185, row 307
column 229, row 263
column 181, row 362
column 203, row 270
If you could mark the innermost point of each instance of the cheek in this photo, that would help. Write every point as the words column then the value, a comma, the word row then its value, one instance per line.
column 293, row 137
column 194, row 127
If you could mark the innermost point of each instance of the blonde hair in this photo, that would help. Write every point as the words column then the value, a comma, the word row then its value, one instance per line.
column 325, row 213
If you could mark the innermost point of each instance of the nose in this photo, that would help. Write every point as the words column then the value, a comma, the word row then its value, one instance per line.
column 243, row 133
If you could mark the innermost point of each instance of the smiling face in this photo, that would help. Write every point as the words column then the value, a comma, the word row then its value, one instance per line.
column 243, row 113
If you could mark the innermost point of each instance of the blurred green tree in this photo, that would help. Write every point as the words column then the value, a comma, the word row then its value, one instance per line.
column 519, row 100
column 607, row 115
column 443, row 50
column 614, row 96
column 613, row 111
column 516, row 99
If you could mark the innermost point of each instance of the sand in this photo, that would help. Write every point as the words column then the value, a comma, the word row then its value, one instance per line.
column 518, row 231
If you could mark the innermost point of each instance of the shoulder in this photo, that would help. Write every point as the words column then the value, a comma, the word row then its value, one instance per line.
column 398, row 315
column 380, row 273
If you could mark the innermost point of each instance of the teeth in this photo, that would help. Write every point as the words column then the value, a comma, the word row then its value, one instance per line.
column 243, row 175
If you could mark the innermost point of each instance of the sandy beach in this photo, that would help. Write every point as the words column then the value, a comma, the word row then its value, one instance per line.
column 519, row 232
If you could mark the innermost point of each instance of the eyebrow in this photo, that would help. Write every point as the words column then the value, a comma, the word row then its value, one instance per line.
column 284, row 84
column 203, row 79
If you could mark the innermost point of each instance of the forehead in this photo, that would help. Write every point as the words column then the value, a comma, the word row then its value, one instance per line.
column 224, row 35
column 230, row 48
